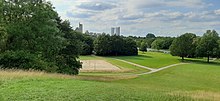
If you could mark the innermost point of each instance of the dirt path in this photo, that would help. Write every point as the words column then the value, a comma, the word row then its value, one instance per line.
column 152, row 69
column 162, row 68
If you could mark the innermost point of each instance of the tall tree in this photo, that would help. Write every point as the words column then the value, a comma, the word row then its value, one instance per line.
column 183, row 45
column 143, row 47
column 208, row 45
column 150, row 35
column 114, row 45
column 32, row 26
column 158, row 44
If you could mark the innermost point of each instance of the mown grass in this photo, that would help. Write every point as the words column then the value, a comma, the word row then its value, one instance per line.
column 46, row 88
column 180, row 83
column 151, row 59
column 195, row 81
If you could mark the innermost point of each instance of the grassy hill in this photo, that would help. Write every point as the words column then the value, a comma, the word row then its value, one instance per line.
column 194, row 81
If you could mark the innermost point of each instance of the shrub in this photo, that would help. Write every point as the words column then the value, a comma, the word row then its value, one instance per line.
column 24, row 60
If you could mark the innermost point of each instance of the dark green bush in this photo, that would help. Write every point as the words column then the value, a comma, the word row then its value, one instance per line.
column 24, row 60
column 68, row 64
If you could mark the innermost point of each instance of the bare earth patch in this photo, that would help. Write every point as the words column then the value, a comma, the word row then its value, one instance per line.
column 98, row 66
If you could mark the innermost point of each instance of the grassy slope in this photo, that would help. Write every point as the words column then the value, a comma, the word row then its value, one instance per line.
column 151, row 59
column 197, row 80
column 177, row 83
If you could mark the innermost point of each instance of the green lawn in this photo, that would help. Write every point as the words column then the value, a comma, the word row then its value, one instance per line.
column 151, row 59
column 183, row 83
column 195, row 81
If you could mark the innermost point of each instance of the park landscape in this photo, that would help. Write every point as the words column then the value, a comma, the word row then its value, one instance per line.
column 43, row 58
column 188, row 81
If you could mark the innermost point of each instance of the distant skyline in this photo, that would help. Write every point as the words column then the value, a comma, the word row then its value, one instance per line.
column 139, row 17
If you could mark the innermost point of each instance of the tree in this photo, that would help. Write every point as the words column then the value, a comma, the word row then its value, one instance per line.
column 218, row 51
column 33, row 27
column 150, row 35
column 114, row 45
column 143, row 47
column 183, row 46
column 158, row 44
column 167, row 42
column 149, row 41
column 130, row 47
column 102, row 45
column 3, row 38
column 138, row 42
column 208, row 45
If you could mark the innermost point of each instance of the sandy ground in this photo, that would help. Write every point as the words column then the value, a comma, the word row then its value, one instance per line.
column 98, row 66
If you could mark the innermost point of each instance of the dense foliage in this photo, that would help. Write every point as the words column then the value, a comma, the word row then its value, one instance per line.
column 183, row 46
column 188, row 45
column 34, row 28
column 114, row 45
column 143, row 47
column 208, row 45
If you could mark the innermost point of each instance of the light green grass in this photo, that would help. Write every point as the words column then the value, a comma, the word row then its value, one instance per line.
column 195, row 81
column 180, row 83
column 151, row 59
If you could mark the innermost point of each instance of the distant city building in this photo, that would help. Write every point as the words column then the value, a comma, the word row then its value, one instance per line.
column 87, row 32
column 112, row 31
column 93, row 33
column 118, row 31
column 115, row 31
column 80, row 28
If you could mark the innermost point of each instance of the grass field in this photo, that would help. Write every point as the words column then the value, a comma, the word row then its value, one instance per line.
column 151, row 59
column 195, row 81
column 122, row 65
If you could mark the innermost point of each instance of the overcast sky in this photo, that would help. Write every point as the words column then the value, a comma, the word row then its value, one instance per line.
column 139, row 17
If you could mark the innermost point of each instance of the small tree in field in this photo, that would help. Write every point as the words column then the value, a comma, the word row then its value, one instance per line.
column 183, row 46
column 208, row 45
column 143, row 47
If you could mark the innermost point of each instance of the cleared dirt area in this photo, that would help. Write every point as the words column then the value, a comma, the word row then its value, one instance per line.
column 98, row 66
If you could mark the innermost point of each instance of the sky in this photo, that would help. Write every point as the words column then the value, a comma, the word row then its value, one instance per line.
column 139, row 17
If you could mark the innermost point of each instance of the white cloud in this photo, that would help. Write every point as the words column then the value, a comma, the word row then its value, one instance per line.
column 138, row 17
column 217, row 12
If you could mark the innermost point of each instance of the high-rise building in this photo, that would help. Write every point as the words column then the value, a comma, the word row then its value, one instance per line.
column 118, row 31
column 80, row 28
column 115, row 31
column 112, row 31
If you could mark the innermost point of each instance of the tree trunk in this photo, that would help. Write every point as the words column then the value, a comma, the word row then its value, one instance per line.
column 182, row 58
column 208, row 59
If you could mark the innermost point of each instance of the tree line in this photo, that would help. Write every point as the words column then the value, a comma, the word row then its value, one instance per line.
column 33, row 36
column 187, row 45
column 106, row 45
column 190, row 45
column 151, row 41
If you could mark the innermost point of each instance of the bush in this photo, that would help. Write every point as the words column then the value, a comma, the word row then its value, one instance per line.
column 68, row 64
column 24, row 60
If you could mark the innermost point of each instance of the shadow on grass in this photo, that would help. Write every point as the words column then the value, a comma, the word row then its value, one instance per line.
column 144, row 56
column 200, row 62
column 137, row 57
